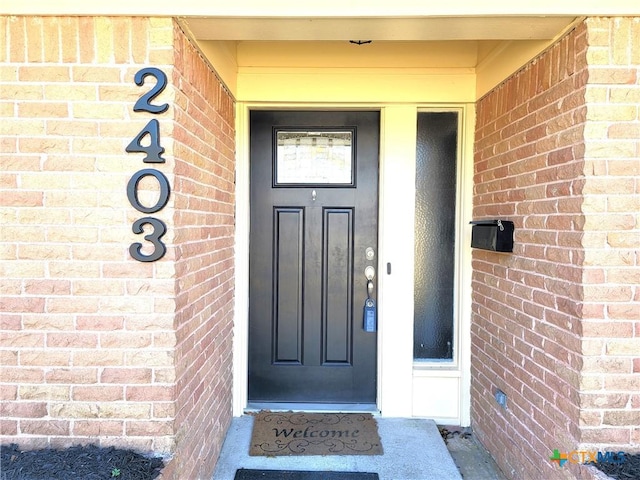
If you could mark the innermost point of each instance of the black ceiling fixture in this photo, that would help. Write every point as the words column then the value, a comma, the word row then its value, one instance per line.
column 360, row 42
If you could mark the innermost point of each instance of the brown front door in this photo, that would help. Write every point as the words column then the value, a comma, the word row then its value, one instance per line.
column 314, row 204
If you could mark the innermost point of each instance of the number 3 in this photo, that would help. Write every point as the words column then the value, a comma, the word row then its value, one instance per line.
column 159, row 248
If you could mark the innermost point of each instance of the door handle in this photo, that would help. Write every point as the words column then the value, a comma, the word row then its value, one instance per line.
column 369, row 273
column 370, row 316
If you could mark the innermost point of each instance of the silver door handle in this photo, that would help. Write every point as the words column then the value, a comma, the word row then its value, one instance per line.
column 369, row 273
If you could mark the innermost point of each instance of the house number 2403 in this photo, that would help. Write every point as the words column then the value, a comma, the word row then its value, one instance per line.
column 153, row 154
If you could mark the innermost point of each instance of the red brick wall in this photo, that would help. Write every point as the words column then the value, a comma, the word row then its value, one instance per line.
column 204, row 143
column 555, row 324
column 526, row 305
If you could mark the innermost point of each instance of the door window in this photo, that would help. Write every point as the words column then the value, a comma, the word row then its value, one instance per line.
column 314, row 158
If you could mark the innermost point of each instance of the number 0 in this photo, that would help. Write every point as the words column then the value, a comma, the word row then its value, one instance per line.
column 132, row 190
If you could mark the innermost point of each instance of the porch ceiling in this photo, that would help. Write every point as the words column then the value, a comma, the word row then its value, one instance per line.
column 492, row 46
column 398, row 42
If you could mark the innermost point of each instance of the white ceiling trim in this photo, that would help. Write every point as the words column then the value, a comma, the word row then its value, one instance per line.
column 324, row 8
column 387, row 29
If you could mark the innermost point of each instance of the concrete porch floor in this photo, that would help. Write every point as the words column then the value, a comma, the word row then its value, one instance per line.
column 413, row 450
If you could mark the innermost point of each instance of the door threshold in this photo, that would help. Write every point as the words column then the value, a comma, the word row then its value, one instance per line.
column 313, row 407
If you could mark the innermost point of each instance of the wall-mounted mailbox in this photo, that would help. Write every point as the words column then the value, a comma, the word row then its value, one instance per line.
column 495, row 235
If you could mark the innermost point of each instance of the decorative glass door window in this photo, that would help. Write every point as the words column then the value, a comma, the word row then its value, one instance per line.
column 314, row 158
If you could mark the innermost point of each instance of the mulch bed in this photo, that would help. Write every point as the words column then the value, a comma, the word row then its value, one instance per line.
column 77, row 463
column 629, row 469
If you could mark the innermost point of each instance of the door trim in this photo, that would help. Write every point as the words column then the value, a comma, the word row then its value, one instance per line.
column 241, row 306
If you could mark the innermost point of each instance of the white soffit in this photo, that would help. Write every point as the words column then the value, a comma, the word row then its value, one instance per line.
column 322, row 8
column 391, row 29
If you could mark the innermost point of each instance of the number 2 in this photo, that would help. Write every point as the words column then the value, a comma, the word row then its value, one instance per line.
column 144, row 102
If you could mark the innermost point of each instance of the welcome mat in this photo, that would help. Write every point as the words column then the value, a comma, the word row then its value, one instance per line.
column 246, row 474
column 276, row 434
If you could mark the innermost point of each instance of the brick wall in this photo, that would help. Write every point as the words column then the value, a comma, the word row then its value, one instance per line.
column 87, row 333
column 93, row 343
column 204, row 136
column 526, row 309
column 610, row 381
column 555, row 324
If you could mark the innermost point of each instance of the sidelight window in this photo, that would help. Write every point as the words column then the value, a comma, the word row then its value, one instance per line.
column 435, row 221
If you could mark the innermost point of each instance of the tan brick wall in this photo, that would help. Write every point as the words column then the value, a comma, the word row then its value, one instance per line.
column 610, row 380
column 555, row 324
column 94, row 343
column 87, row 333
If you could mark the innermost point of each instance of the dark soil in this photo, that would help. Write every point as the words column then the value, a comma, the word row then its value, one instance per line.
column 76, row 463
column 451, row 432
column 627, row 468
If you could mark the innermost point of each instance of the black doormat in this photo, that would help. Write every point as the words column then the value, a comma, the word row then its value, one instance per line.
column 245, row 474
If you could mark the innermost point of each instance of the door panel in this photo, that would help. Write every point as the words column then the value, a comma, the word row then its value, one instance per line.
column 337, row 282
column 288, row 275
column 307, row 257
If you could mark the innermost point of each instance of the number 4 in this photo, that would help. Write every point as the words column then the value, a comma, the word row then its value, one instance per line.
column 154, row 151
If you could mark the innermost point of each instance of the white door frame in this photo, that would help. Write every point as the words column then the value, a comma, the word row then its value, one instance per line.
column 398, row 376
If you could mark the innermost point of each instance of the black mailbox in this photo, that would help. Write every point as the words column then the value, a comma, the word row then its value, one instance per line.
column 495, row 235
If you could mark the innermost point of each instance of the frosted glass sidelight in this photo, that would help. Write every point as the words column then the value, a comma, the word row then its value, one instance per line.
column 435, row 235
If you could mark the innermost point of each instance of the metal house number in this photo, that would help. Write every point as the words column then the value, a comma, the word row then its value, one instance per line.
column 153, row 154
